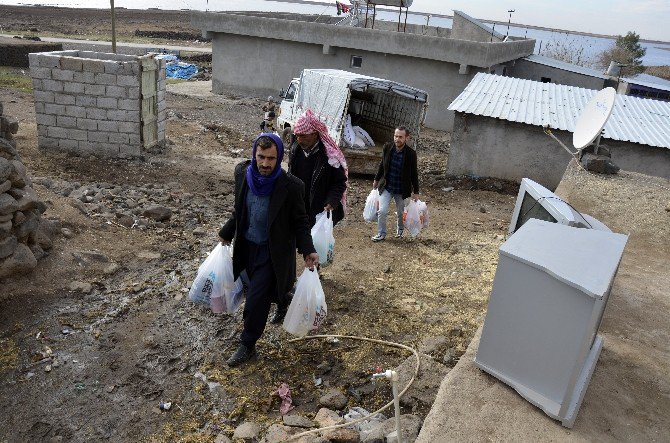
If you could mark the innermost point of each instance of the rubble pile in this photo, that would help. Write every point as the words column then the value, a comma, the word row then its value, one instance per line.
column 23, row 235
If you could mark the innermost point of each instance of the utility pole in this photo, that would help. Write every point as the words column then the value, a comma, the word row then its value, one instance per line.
column 113, row 27
column 510, row 20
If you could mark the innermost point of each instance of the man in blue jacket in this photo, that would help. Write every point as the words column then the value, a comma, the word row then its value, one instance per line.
column 268, row 223
column 397, row 178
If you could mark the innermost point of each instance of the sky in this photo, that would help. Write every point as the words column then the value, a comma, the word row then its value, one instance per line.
column 649, row 18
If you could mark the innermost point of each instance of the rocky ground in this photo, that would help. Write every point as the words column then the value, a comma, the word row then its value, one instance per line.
column 102, row 331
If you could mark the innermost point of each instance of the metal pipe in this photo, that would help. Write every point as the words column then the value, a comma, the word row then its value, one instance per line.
column 113, row 27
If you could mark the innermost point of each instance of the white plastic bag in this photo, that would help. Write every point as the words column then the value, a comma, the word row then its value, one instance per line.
column 371, row 206
column 235, row 297
column 322, row 237
column 308, row 308
column 423, row 213
column 412, row 218
column 214, row 279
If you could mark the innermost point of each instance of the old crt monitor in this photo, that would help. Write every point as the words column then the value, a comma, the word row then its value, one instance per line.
column 536, row 201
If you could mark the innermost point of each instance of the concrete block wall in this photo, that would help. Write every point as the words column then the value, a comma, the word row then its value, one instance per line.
column 92, row 103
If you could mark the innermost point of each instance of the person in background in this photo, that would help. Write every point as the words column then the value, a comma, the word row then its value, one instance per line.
column 268, row 223
column 268, row 123
column 397, row 178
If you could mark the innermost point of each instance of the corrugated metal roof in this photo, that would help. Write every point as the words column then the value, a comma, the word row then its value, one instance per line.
column 552, row 62
column 633, row 119
column 650, row 81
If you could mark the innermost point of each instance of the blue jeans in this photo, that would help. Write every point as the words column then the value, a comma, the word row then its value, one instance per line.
column 384, row 203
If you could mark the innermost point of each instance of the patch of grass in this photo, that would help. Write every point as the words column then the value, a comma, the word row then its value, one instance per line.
column 16, row 78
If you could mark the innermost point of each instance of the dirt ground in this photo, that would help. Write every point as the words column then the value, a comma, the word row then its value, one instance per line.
column 113, row 354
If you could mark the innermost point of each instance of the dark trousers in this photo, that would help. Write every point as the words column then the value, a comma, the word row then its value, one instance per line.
column 262, row 292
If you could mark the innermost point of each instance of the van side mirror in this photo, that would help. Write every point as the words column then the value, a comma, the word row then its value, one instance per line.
column 282, row 93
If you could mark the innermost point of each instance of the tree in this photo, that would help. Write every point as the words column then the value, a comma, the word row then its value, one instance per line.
column 625, row 51
column 568, row 51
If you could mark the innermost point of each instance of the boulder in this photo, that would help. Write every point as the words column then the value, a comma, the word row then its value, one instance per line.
column 8, row 204
column 29, row 226
column 5, row 186
column 158, row 213
column 19, row 177
column 326, row 417
column 334, row 399
column 6, row 169
column 8, row 246
column 21, row 261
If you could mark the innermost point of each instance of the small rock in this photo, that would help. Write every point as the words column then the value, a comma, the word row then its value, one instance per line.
column 483, row 210
column 111, row 269
column 77, row 286
column 247, row 431
column 21, row 261
column 333, row 399
column 298, row 421
column 343, row 435
column 277, row 434
column 158, row 213
column 8, row 246
column 47, row 368
column 326, row 417
column 67, row 233
column 109, row 389
column 8, row 204
column 448, row 189
column 148, row 255
column 450, row 357
column 222, row 438
column 200, row 231
column 430, row 345
column 410, row 425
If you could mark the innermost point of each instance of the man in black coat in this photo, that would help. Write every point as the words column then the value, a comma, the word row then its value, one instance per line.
column 268, row 223
column 316, row 160
column 397, row 178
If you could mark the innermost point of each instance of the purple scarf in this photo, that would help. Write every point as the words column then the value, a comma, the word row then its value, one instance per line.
column 262, row 185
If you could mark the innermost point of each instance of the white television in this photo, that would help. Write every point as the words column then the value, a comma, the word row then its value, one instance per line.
column 536, row 201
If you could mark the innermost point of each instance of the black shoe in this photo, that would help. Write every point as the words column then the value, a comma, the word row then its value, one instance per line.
column 241, row 355
column 280, row 313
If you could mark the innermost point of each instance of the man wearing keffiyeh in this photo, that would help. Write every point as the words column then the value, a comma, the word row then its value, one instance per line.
column 268, row 223
column 316, row 159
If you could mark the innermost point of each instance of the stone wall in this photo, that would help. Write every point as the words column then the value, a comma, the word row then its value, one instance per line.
column 108, row 105
column 24, row 235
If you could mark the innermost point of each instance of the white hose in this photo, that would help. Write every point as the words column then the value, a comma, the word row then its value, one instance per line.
column 387, row 405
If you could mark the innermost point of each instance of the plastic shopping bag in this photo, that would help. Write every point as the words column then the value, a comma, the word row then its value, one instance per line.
column 412, row 219
column 322, row 237
column 371, row 206
column 423, row 213
column 214, row 279
column 308, row 308
column 235, row 297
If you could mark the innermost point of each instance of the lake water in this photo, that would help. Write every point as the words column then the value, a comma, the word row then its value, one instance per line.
column 657, row 53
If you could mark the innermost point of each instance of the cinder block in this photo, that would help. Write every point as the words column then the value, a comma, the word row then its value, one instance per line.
column 60, row 74
column 38, row 84
column 127, row 80
column 117, row 115
column 51, row 108
column 113, row 67
column 42, row 130
column 108, row 126
column 38, row 72
column 133, row 150
column 160, row 95
column 47, row 142
column 87, row 124
column 129, row 127
column 34, row 60
column 56, row 132
column 44, row 96
column 94, row 66
column 134, row 139
column 134, row 93
column 162, row 106
column 45, row 119
column 49, row 61
column 66, row 122
column 132, row 116
column 99, row 137
column 97, row 90
column 84, row 77
column 86, row 100
column 77, row 134
column 75, row 111
column 52, row 85
column 73, row 87
column 118, row 138
column 71, row 63
column 39, row 108
column 129, row 104
column 64, row 99
column 116, row 91
column 107, row 103
column 95, row 113
column 105, row 79
column 68, row 144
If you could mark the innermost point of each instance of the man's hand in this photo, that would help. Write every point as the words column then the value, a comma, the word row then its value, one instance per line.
column 328, row 207
column 224, row 242
column 415, row 197
column 311, row 260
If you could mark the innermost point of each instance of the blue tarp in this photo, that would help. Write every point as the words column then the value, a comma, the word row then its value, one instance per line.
column 180, row 70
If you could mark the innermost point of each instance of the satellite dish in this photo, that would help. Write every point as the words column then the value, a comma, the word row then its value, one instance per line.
column 593, row 118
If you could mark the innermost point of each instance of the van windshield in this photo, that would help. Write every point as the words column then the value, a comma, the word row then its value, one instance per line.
column 290, row 92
